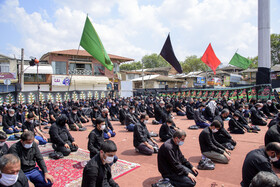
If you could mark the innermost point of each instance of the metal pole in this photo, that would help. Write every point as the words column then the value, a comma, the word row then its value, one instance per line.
column 38, row 94
column 143, row 84
column 22, row 71
column 264, row 51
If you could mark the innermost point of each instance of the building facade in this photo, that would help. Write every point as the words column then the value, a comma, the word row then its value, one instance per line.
column 78, row 70
column 8, row 71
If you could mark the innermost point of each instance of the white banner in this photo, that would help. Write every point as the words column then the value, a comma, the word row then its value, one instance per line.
column 60, row 81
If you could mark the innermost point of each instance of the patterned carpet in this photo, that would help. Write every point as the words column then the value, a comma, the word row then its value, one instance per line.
column 68, row 171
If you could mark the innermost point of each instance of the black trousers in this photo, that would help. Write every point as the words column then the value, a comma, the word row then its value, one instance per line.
column 65, row 151
column 181, row 180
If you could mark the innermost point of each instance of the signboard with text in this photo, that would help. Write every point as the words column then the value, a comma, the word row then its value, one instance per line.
column 60, row 81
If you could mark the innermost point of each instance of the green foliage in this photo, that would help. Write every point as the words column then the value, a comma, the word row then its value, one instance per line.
column 131, row 66
column 275, row 48
column 254, row 63
column 154, row 61
column 192, row 63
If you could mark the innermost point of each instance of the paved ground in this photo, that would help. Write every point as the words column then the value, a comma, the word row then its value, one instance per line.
column 223, row 175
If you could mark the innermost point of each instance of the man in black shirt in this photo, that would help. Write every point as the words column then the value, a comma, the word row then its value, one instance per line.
column 62, row 140
column 94, row 114
column 11, row 174
column 173, row 165
column 159, row 111
column 28, row 152
column 109, row 130
column 95, row 138
column 209, row 147
column 97, row 172
column 142, row 140
column 30, row 125
column 259, row 160
column 167, row 130
column 199, row 118
column 179, row 108
column 130, row 119
column 123, row 112
column 54, row 114
column 257, row 117
column 190, row 109
column 114, row 112
column 9, row 122
column 150, row 110
column 74, row 122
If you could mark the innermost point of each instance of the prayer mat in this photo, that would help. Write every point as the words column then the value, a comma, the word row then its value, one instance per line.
column 68, row 171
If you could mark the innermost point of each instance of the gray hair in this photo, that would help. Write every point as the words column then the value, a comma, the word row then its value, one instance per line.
column 8, row 158
column 11, row 110
column 264, row 178
column 179, row 133
column 105, row 110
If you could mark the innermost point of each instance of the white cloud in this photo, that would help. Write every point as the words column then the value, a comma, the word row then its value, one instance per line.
column 131, row 29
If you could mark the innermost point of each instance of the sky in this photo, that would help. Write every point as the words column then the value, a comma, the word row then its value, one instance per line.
column 134, row 28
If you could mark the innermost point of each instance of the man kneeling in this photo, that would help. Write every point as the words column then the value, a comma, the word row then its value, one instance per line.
column 173, row 165
column 98, row 171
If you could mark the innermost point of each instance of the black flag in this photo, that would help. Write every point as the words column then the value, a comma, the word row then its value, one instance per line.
column 168, row 54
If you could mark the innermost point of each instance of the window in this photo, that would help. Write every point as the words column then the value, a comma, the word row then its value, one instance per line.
column 80, row 69
column 33, row 78
column 130, row 76
column 5, row 67
column 99, row 69
column 116, row 68
column 59, row 68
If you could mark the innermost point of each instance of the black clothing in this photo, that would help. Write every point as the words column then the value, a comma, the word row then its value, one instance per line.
column 272, row 135
column 123, row 113
column 208, row 143
column 107, row 123
column 190, row 111
column 255, row 161
column 150, row 111
column 171, row 160
column 130, row 118
column 21, row 182
column 96, row 174
column 8, row 121
column 208, row 115
column 55, row 114
column 59, row 134
column 198, row 117
column 20, row 118
column 273, row 122
column 142, row 108
column 166, row 132
column 158, row 112
column 269, row 109
column 222, row 136
column 28, row 157
column 235, row 127
column 140, row 134
column 179, row 105
column 29, row 126
column 114, row 111
column 256, row 117
column 73, row 118
column 94, row 114
column 95, row 140
column 4, row 150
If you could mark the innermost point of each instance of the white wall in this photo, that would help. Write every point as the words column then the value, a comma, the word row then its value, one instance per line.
column 34, row 87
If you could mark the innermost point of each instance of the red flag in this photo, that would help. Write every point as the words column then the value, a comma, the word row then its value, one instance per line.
column 210, row 59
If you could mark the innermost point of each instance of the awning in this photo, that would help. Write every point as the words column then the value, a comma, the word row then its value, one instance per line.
column 89, row 80
column 43, row 69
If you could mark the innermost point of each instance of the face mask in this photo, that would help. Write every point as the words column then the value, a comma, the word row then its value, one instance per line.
column 214, row 130
column 12, row 115
column 28, row 146
column 109, row 159
column 274, row 159
column 2, row 144
column 180, row 143
column 8, row 179
column 126, row 108
column 133, row 112
column 74, row 112
column 145, row 121
column 203, row 109
column 114, row 104
column 243, row 110
column 103, row 127
column 269, row 104
column 31, row 121
column 259, row 108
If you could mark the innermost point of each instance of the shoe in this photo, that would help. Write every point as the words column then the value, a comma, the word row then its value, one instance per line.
column 136, row 150
column 155, row 150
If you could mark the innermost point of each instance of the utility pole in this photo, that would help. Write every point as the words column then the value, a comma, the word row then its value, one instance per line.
column 22, row 71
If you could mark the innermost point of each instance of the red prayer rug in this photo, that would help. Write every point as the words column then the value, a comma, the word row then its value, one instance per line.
column 68, row 171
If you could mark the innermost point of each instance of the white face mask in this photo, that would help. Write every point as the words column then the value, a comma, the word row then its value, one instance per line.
column 269, row 104
column 114, row 104
column 145, row 121
column 28, row 146
column 214, row 130
column 274, row 159
column 109, row 159
column 12, row 115
column 133, row 112
column 31, row 121
column 103, row 127
column 8, row 179
column 259, row 108
column 2, row 144
column 74, row 112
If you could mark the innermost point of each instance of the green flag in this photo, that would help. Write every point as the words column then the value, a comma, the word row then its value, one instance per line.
column 93, row 45
column 240, row 61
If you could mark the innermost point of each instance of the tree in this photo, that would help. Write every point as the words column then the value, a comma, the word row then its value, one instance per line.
column 192, row 63
column 154, row 61
column 275, row 48
column 254, row 63
column 131, row 66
